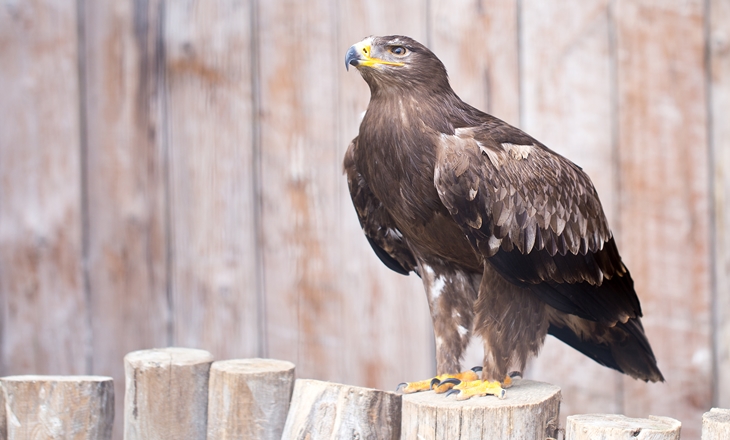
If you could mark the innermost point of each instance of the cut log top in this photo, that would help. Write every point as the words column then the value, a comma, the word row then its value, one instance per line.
column 620, row 427
column 253, row 366
column 529, row 411
column 39, row 378
column 523, row 392
column 716, row 424
column 168, row 356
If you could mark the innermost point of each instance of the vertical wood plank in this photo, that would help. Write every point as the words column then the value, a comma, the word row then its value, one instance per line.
column 300, row 174
column 567, row 85
column 125, row 184
column 719, row 45
column 479, row 44
column 213, row 205
column 663, row 150
column 387, row 336
column 44, row 315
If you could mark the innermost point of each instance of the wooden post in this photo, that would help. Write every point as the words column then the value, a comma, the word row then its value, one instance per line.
column 716, row 424
column 324, row 410
column 52, row 407
column 166, row 394
column 529, row 410
column 619, row 427
column 249, row 398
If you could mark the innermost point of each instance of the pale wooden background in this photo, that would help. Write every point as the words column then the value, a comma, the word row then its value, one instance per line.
column 170, row 173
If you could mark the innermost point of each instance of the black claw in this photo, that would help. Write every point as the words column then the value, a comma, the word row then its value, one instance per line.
column 514, row 374
column 399, row 388
column 451, row 380
column 434, row 382
column 452, row 391
column 477, row 369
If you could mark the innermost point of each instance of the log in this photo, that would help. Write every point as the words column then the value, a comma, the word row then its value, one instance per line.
column 323, row 410
column 249, row 398
column 52, row 407
column 166, row 394
column 620, row 427
column 716, row 424
column 529, row 410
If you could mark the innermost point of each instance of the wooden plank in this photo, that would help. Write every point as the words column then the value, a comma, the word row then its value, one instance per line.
column 300, row 174
column 719, row 86
column 51, row 407
column 166, row 394
column 125, row 184
column 43, row 312
column 529, row 410
column 388, row 337
column 213, row 206
column 664, row 199
column 568, row 92
column 478, row 42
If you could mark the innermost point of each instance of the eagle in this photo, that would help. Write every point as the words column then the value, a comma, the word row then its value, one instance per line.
column 509, row 237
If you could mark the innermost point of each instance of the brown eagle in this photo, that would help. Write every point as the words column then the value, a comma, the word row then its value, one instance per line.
column 509, row 237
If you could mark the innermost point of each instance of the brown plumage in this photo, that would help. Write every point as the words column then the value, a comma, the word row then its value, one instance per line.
column 509, row 237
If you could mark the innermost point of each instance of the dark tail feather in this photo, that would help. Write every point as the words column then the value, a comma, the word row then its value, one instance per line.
column 628, row 352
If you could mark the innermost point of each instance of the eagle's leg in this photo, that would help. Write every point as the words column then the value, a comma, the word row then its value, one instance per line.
column 512, row 322
column 451, row 294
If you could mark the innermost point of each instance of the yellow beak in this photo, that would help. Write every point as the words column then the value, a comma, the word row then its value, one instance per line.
column 359, row 54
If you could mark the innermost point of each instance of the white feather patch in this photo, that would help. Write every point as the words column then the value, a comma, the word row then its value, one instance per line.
column 517, row 152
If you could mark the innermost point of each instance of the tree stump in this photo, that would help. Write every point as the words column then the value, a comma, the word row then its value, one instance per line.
column 166, row 394
column 52, row 407
column 324, row 410
column 529, row 411
column 716, row 424
column 249, row 398
column 619, row 427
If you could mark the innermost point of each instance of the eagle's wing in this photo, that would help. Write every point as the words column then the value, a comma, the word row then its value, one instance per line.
column 536, row 217
column 379, row 228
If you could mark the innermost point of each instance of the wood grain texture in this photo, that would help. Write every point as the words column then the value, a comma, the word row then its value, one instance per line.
column 387, row 336
column 249, row 398
column 478, row 43
column 43, row 312
column 568, row 94
column 125, row 184
column 54, row 407
column 716, row 424
column 530, row 410
column 166, row 394
column 719, row 94
column 330, row 411
column 209, row 107
column 664, row 199
column 618, row 427
column 300, row 171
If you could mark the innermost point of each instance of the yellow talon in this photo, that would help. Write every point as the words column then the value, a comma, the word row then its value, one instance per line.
column 473, row 388
column 439, row 384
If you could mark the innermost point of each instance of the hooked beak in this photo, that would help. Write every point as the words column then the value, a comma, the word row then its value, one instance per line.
column 359, row 54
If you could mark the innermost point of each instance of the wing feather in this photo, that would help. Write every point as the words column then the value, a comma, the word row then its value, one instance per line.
column 379, row 228
column 541, row 223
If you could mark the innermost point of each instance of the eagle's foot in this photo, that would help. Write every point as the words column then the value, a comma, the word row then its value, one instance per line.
column 468, row 389
column 439, row 384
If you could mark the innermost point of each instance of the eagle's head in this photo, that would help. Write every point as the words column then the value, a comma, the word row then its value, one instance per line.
column 397, row 61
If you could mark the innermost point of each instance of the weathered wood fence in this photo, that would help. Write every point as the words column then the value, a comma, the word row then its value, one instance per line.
column 170, row 174
column 177, row 393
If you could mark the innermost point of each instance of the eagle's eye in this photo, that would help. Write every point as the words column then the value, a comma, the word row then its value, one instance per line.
column 398, row 50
